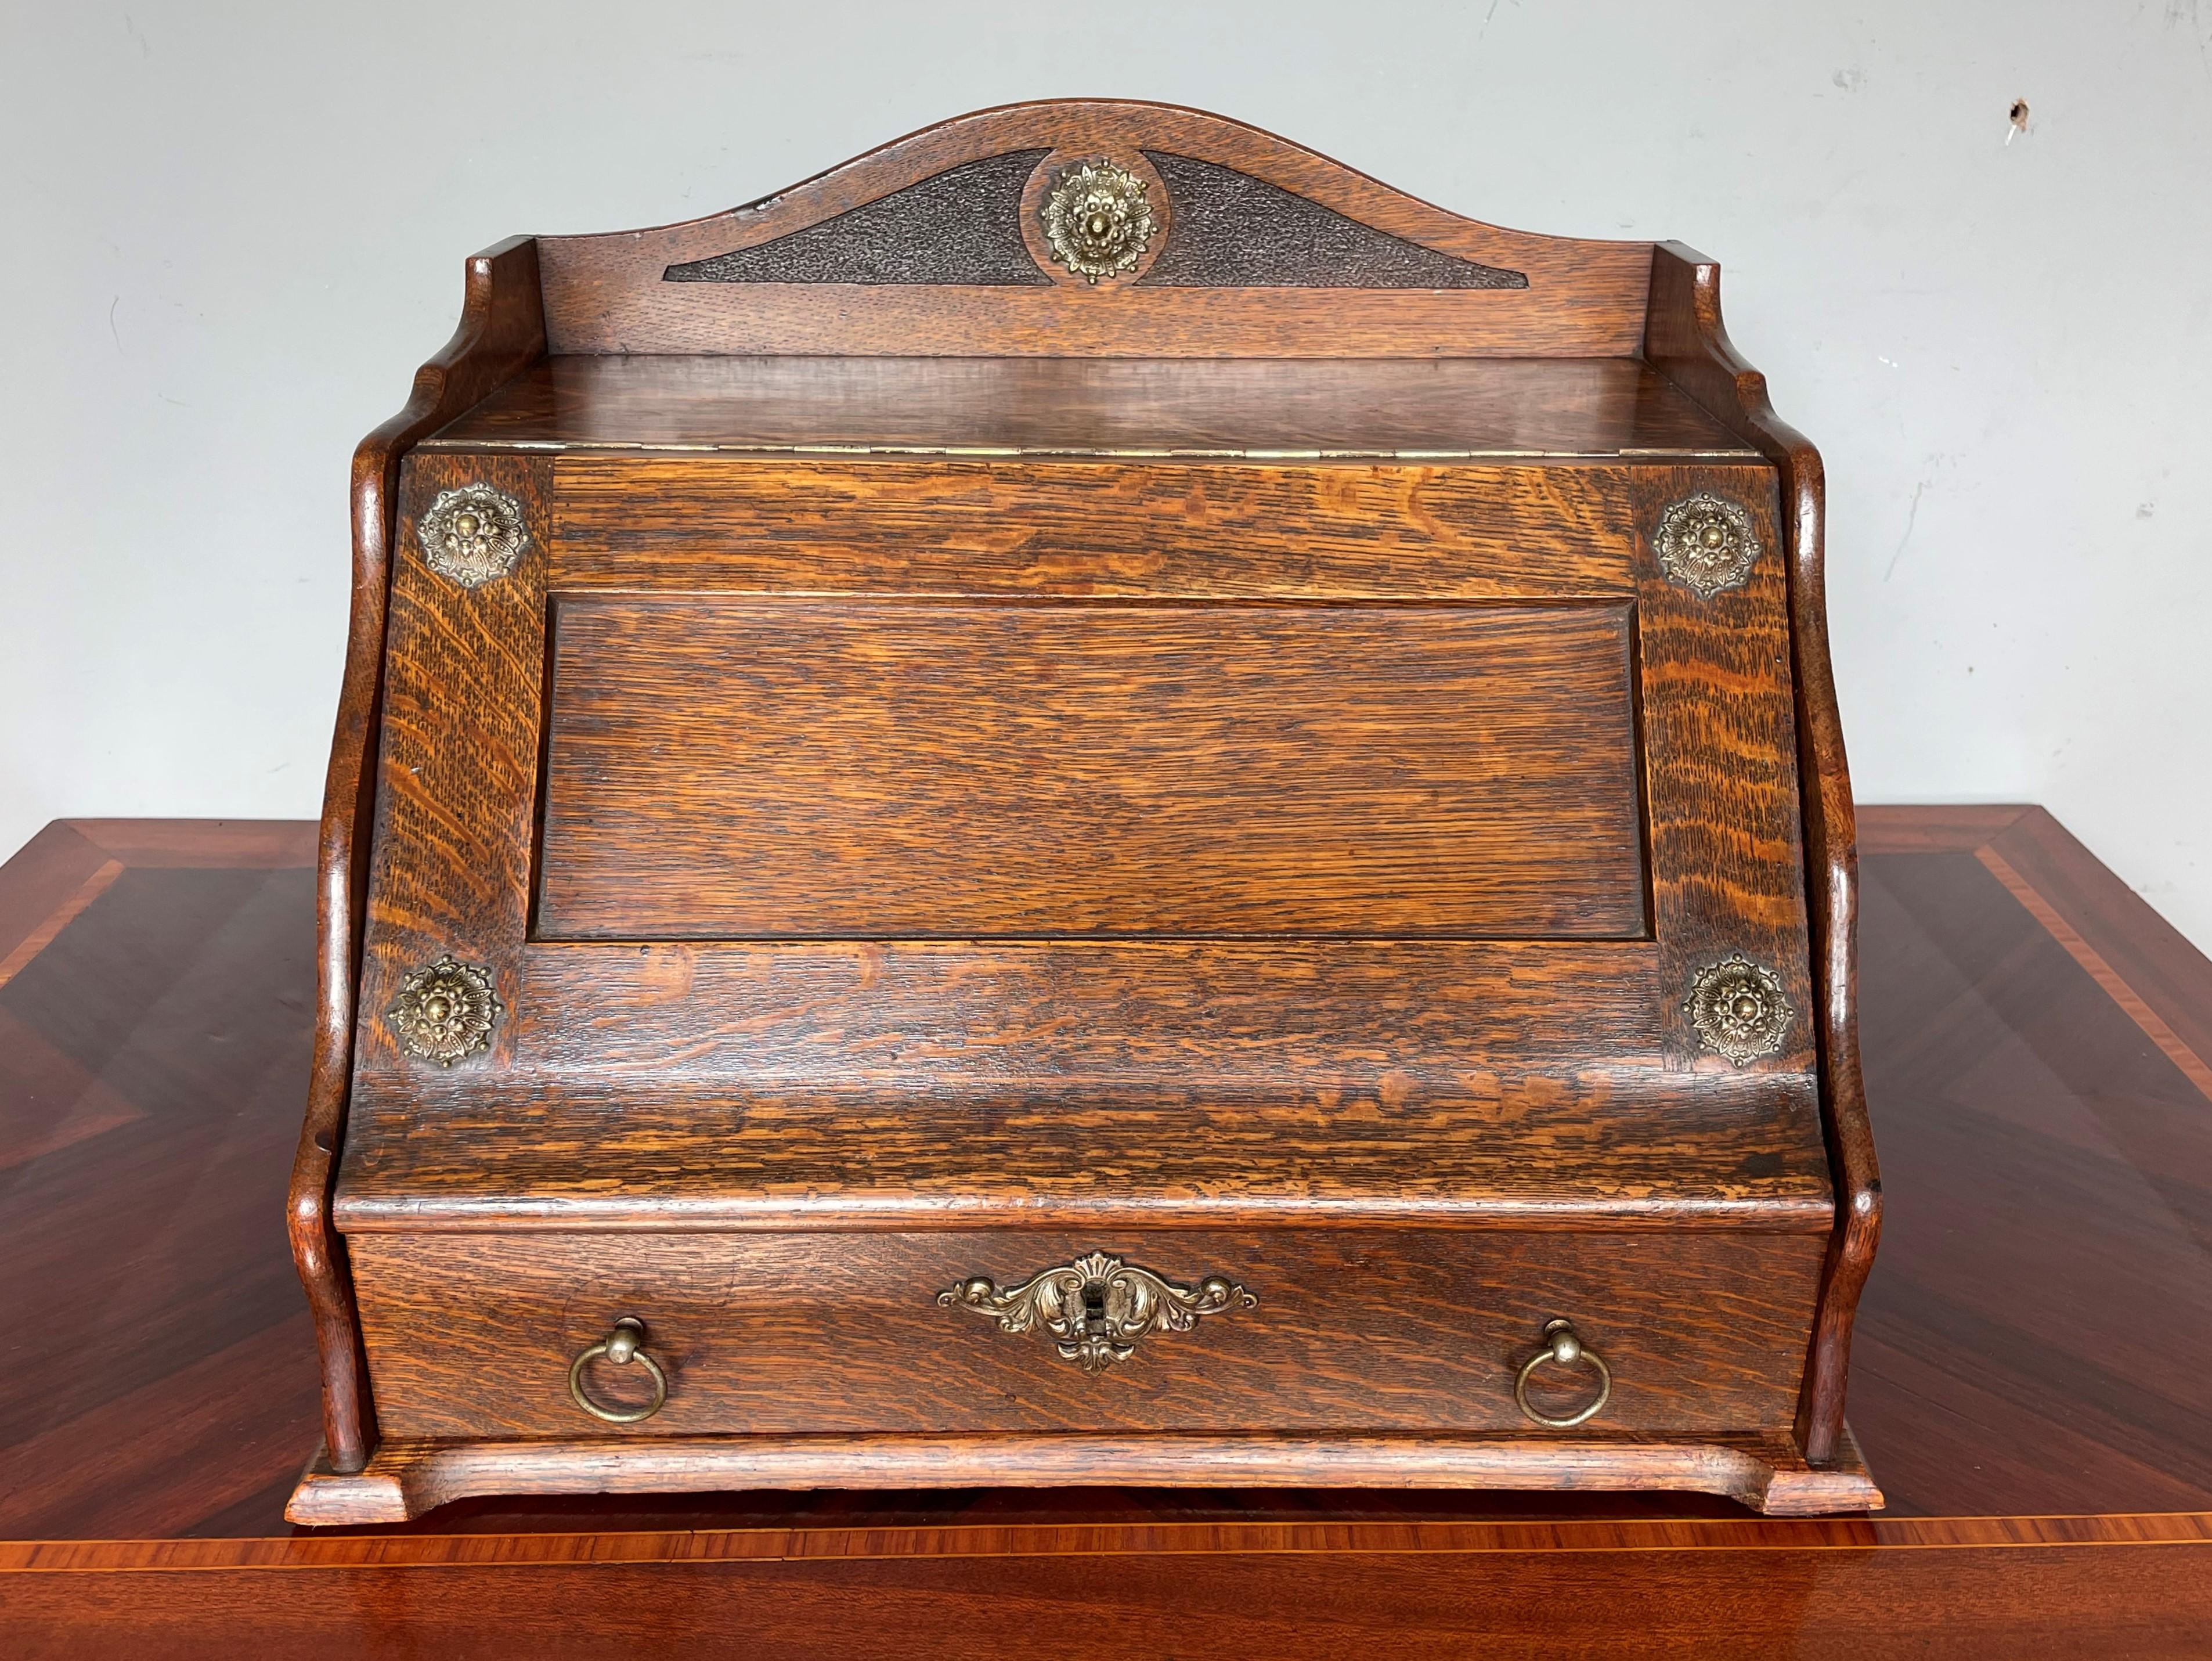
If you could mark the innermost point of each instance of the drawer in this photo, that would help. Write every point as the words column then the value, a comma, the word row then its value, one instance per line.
column 473, row 1335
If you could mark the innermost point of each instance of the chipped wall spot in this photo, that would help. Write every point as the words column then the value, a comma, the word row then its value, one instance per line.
column 2018, row 116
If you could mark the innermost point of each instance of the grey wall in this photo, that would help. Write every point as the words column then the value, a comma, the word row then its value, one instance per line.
column 233, row 231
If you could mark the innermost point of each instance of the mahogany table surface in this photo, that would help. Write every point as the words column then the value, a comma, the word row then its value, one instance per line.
column 2031, row 1382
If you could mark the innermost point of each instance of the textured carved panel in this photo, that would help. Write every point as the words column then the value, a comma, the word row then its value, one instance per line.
column 963, row 226
column 1229, row 230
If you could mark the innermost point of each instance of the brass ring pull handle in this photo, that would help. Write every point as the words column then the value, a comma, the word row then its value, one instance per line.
column 1563, row 1348
column 625, row 1344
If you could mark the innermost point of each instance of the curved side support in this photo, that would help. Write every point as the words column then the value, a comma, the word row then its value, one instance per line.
column 501, row 332
column 1685, row 340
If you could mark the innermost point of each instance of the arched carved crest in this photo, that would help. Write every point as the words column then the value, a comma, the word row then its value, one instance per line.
column 1217, row 228
column 1194, row 236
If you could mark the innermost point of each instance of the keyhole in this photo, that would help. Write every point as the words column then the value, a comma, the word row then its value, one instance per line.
column 1094, row 1308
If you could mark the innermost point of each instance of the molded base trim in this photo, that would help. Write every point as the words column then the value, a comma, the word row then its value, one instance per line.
column 406, row 1479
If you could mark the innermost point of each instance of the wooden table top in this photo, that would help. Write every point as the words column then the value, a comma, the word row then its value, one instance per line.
column 2031, row 1385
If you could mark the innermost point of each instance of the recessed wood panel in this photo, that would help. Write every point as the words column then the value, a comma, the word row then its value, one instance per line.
column 757, row 770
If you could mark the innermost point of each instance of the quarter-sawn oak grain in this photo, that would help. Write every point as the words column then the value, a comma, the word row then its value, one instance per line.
column 1686, row 341
column 471, row 1335
column 795, row 768
column 1161, row 530
column 501, row 331
column 863, row 836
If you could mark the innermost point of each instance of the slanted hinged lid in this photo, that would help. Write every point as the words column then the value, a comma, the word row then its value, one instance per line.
column 1296, row 724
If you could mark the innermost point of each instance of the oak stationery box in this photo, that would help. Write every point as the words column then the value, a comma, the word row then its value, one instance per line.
column 1089, row 802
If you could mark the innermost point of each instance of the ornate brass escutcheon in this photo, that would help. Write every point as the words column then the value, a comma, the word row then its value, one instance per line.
column 1564, row 1349
column 1096, row 1308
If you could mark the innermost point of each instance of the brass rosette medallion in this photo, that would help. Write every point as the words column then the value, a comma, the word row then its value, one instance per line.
column 1738, row 1009
column 445, row 1012
column 1706, row 542
column 473, row 534
column 1097, row 1308
column 1098, row 221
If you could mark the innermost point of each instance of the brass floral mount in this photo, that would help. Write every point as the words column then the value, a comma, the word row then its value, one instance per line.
column 1096, row 221
column 1096, row 1308
column 445, row 1012
column 1738, row 1009
column 1706, row 542
column 473, row 534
